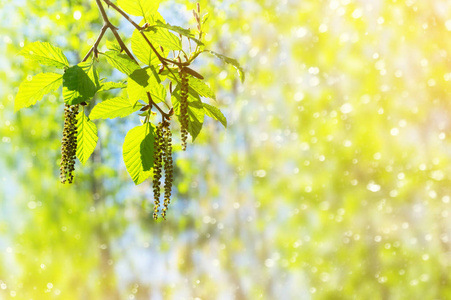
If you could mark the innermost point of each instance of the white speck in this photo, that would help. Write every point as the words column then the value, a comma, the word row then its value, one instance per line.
column 424, row 62
column 325, row 277
column 445, row 199
column 269, row 263
column 357, row 13
column 346, row 108
column 301, row 32
column 448, row 25
column 347, row 143
column 299, row 96
column 77, row 15
column 334, row 4
column 31, row 205
column 313, row 70
column 380, row 20
column 254, row 51
column 314, row 81
column 222, row 75
column 393, row 193
column 324, row 205
column 377, row 238
column 425, row 256
column 260, row 173
column 394, row 131
column 373, row 187
column 414, row 282
column 424, row 277
column 236, row 205
column 49, row 285
column 43, row 266
column 442, row 136
column 322, row 28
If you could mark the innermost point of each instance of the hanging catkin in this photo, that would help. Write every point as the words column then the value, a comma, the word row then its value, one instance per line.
column 69, row 143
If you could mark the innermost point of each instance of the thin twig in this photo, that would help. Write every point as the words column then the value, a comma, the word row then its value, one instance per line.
column 96, row 44
column 151, row 102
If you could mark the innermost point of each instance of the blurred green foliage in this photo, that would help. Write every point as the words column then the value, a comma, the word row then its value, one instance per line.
column 332, row 180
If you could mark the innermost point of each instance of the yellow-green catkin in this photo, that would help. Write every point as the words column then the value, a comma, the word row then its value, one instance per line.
column 184, row 107
column 69, row 143
column 158, row 161
column 168, row 167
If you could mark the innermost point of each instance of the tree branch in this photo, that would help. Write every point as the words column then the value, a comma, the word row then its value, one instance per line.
column 107, row 25
column 162, row 59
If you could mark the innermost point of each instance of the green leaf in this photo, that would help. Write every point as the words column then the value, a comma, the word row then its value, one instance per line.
column 196, row 111
column 143, row 81
column 86, row 137
column 185, row 32
column 143, row 52
column 80, row 83
column 45, row 54
column 110, row 85
column 197, row 85
column 200, row 87
column 230, row 61
column 141, row 8
column 113, row 46
column 121, row 62
column 215, row 113
column 138, row 151
column 113, row 108
column 164, row 38
column 32, row 91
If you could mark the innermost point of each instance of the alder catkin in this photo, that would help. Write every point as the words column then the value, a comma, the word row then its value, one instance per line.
column 168, row 168
column 69, row 143
column 158, row 160
column 184, row 107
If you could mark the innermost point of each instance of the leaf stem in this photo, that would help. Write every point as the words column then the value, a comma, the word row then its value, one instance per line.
column 163, row 114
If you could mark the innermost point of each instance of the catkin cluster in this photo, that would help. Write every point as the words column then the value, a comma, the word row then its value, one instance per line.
column 184, row 107
column 162, row 159
column 69, row 143
column 168, row 168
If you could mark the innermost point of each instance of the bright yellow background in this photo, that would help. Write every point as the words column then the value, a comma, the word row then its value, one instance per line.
column 331, row 182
